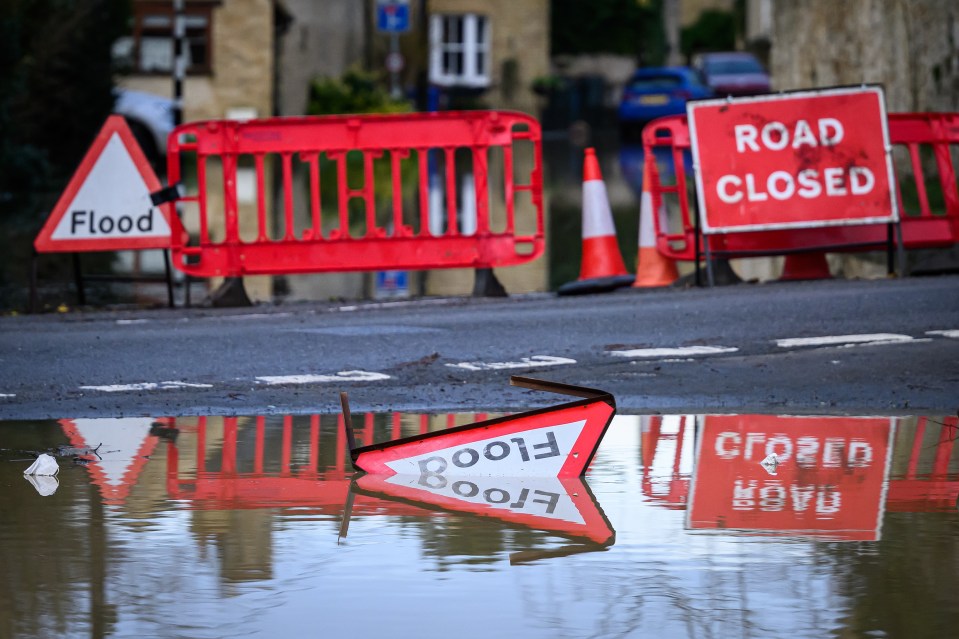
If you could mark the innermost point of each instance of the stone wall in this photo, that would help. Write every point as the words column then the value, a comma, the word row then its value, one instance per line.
column 909, row 46
column 323, row 40
column 520, row 46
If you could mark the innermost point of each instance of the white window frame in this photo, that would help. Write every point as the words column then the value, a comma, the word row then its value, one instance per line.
column 469, row 45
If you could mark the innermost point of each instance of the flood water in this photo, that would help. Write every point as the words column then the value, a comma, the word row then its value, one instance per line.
column 233, row 527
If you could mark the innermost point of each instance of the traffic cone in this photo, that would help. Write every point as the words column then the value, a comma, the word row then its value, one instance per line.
column 805, row 266
column 652, row 269
column 602, row 267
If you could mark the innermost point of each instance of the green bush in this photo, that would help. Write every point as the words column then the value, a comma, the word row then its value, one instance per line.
column 356, row 92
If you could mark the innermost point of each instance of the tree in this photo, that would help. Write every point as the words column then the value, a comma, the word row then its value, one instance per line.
column 56, row 90
column 628, row 27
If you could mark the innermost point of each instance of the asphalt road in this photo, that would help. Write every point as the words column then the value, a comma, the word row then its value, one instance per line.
column 878, row 347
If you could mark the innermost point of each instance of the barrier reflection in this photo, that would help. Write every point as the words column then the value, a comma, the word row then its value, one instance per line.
column 832, row 477
column 300, row 464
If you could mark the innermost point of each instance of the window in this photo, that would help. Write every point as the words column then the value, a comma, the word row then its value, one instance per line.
column 150, row 48
column 460, row 50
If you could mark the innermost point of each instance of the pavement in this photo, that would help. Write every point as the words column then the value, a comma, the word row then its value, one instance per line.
column 887, row 347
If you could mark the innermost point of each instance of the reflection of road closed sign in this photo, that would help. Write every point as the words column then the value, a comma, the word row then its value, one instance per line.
column 107, row 204
column 797, row 160
column 828, row 479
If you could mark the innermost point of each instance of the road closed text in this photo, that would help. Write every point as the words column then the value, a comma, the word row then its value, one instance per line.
column 800, row 160
column 831, row 181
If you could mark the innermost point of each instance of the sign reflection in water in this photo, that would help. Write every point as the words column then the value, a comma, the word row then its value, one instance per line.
column 225, row 526
column 835, row 478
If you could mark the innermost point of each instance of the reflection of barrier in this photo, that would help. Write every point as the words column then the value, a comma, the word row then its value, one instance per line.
column 233, row 474
column 396, row 144
column 243, row 470
column 936, row 490
column 921, row 226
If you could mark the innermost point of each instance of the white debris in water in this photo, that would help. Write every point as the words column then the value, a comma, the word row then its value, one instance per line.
column 45, row 465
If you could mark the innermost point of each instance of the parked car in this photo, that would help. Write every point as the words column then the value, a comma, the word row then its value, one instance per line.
column 151, row 120
column 657, row 91
column 735, row 73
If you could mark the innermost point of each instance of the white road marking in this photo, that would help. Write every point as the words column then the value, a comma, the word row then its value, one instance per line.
column 954, row 333
column 525, row 362
column 679, row 351
column 6, row 395
column 342, row 376
column 253, row 316
column 119, row 388
column 125, row 322
column 845, row 340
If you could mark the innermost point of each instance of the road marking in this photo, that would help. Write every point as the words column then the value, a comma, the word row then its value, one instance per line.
column 679, row 351
column 867, row 339
column 7, row 395
column 954, row 333
column 119, row 388
column 525, row 362
column 252, row 316
column 342, row 376
column 125, row 322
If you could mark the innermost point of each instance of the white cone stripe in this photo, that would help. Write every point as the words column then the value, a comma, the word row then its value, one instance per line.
column 597, row 218
column 647, row 231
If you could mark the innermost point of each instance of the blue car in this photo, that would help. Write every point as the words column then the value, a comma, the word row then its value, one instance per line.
column 657, row 91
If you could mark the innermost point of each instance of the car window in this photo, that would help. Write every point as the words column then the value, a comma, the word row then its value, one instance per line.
column 742, row 65
column 655, row 83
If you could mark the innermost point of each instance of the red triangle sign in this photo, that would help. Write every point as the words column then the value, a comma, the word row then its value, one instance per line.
column 558, row 441
column 106, row 205
column 125, row 446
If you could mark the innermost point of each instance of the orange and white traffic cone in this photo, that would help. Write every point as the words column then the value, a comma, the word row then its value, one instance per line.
column 602, row 267
column 805, row 266
column 652, row 269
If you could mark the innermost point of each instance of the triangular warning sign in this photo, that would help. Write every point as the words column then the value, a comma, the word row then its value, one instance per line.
column 123, row 447
column 106, row 205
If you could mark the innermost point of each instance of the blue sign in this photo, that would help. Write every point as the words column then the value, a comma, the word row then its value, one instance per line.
column 393, row 17
column 391, row 284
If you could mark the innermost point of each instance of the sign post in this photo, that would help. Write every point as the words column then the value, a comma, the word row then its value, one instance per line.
column 393, row 17
column 114, row 201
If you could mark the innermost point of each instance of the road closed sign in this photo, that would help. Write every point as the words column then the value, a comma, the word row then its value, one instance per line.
column 796, row 160
column 107, row 204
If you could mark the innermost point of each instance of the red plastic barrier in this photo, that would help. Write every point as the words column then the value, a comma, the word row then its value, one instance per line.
column 354, row 238
column 922, row 227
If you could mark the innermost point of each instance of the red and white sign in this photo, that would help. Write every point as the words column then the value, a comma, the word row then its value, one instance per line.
column 557, row 442
column 797, row 160
column 106, row 205
column 564, row 506
column 829, row 480
column 124, row 446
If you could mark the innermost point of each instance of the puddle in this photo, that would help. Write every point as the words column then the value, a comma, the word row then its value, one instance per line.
column 210, row 527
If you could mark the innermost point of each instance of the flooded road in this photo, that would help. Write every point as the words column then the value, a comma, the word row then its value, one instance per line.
column 256, row 526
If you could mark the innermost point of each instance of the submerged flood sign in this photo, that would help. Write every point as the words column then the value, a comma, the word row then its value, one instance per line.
column 558, row 441
column 107, row 204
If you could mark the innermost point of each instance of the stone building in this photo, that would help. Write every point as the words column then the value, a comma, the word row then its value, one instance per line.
column 910, row 47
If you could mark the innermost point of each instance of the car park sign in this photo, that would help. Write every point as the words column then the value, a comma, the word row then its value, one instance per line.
column 795, row 160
